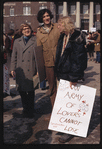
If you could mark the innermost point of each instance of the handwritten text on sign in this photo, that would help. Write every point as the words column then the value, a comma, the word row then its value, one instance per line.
column 72, row 109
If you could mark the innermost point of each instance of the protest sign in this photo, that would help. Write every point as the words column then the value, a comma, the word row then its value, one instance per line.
column 92, row 29
column 72, row 109
column 6, row 86
column 40, row 63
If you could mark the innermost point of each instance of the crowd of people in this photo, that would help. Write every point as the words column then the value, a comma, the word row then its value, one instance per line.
column 65, row 56
column 93, row 45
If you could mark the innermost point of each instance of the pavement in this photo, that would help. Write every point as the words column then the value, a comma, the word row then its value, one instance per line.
column 19, row 130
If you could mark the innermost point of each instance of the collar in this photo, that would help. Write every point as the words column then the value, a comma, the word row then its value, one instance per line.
column 42, row 30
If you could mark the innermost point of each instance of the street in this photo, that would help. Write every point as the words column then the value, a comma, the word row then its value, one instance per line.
column 18, row 130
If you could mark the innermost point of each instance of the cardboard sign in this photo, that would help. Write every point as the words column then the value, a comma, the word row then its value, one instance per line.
column 40, row 63
column 6, row 85
column 72, row 109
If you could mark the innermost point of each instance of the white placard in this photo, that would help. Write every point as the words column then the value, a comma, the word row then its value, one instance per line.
column 92, row 29
column 6, row 85
column 72, row 109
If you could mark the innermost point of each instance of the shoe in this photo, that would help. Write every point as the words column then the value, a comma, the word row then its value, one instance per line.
column 43, row 88
column 12, row 94
column 27, row 115
column 65, row 138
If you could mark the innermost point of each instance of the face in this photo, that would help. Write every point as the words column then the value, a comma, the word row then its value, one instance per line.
column 26, row 31
column 60, row 27
column 90, row 35
column 46, row 19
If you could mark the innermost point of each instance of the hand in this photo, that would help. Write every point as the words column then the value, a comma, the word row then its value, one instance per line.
column 72, row 83
column 12, row 73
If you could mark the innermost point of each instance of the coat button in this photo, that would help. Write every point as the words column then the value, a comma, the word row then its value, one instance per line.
column 28, row 60
column 22, row 60
column 28, row 69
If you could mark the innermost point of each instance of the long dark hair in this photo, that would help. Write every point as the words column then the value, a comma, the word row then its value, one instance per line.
column 41, row 13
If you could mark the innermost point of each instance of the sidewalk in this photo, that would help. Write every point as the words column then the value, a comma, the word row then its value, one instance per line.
column 18, row 130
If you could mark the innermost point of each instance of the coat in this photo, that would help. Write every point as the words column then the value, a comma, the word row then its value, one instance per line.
column 23, row 63
column 97, row 43
column 49, row 42
column 8, row 44
column 71, row 65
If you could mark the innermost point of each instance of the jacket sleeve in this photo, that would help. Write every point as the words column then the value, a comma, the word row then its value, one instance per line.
column 97, row 40
column 14, row 57
column 38, row 40
column 78, row 62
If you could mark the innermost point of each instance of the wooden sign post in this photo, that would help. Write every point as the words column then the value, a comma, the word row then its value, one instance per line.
column 72, row 109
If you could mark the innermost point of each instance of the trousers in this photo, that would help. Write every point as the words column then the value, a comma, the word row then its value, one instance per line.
column 98, row 56
column 27, row 99
column 52, row 81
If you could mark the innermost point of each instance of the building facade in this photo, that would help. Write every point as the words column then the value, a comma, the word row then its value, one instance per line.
column 16, row 13
column 85, row 15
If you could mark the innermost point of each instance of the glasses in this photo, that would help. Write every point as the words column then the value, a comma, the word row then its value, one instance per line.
column 26, row 28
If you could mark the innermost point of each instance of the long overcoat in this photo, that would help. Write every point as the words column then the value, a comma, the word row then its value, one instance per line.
column 49, row 42
column 23, row 63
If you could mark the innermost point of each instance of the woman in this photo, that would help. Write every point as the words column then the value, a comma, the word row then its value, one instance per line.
column 47, row 36
column 71, row 55
column 23, row 65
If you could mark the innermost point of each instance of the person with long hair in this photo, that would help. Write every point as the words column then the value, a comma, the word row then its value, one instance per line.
column 71, row 56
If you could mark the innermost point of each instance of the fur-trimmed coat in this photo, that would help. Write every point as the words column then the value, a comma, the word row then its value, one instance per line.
column 71, row 65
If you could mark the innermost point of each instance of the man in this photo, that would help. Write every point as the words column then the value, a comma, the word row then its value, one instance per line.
column 23, row 65
column 47, row 36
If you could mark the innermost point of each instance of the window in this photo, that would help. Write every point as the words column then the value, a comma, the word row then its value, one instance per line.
column 3, row 27
column 11, row 11
column 42, row 7
column 3, row 11
column 26, row 10
column 85, row 9
column 98, row 25
column 97, row 10
column 42, row 2
column 60, row 9
column 26, row 2
column 72, row 9
column 11, row 25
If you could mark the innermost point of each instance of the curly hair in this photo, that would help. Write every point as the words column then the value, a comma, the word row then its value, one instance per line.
column 67, row 23
column 41, row 13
